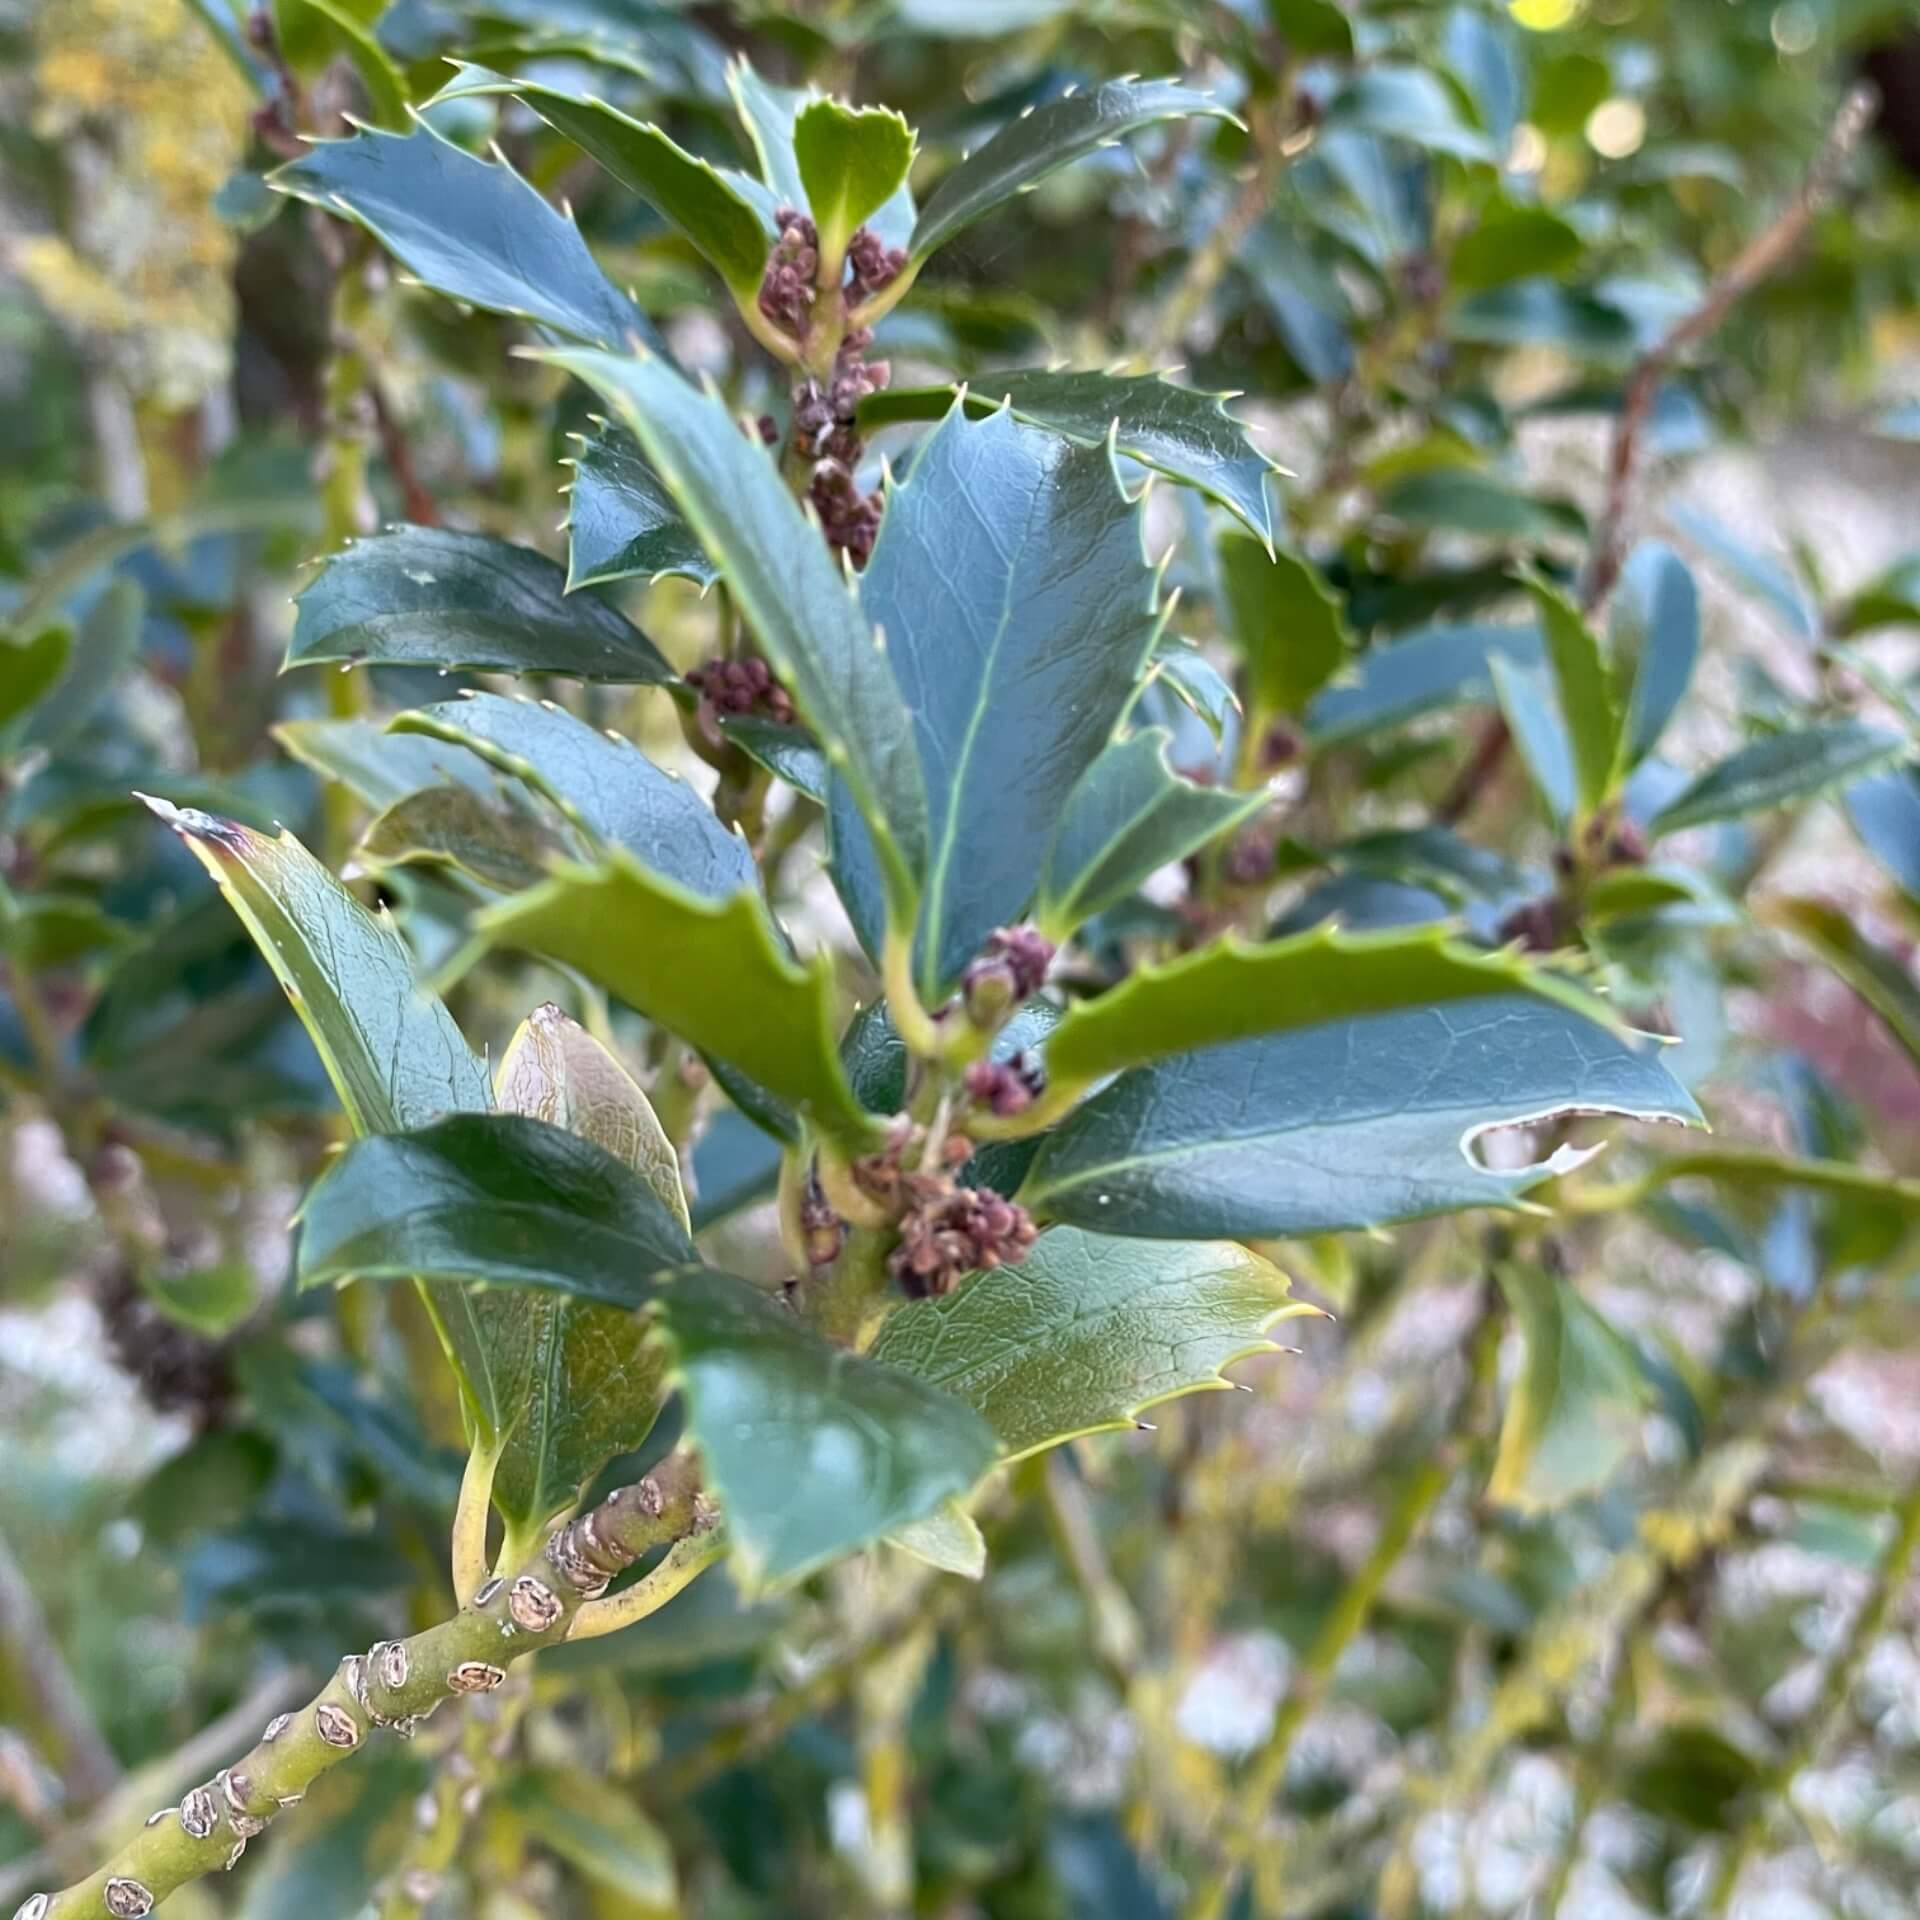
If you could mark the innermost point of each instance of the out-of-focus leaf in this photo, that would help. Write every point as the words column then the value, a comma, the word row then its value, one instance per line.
column 1286, row 621
column 431, row 597
column 735, row 1163
column 30, row 669
column 1583, row 692
column 948, row 1539
column 1885, row 811
column 1654, row 628
column 1465, row 500
column 1890, row 599
column 104, row 649
column 602, row 1832
column 379, row 767
column 1578, row 1403
column 341, row 27
column 1542, row 313
column 1759, row 573
column 1439, row 667
column 212, row 1300
column 1780, row 768
column 1088, row 1332
column 1885, row 983
column 1513, row 243
column 1407, row 103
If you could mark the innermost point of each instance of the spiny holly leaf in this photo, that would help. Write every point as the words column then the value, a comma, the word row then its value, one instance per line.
column 1088, row 1332
column 1579, row 1402
column 1438, row 667
column 789, row 591
column 715, row 973
column 487, row 837
column 1286, row 621
column 699, row 199
column 494, row 1200
column 473, row 231
column 622, row 524
column 1188, row 436
column 433, row 597
column 812, row 1450
column 1129, row 815
column 1233, row 991
column 1584, row 692
column 1044, row 139
column 1349, row 1123
column 581, row 1382
column 1018, row 609
column 390, row 1048
column 1654, row 628
column 604, row 784
column 771, row 117
column 1186, row 673
column 1781, row 768
column 852, row 161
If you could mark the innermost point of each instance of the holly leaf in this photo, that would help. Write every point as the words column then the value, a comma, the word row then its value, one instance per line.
column 602, row 783
column 1128, row 816
column 391, row 1049
column 852, row 161
column 1087, row 1332
column 1654, row 628
column 1188, row 436
column 1407, row 103
column 1439, row 667
column 30, row 669
column 432, row 597
column 1514, row 243
column 1584, row 693
column 579, row 1382
column 1235, row 991
column 622, row 524
column 1779, row 769
column 378, row 767
column 1578, row 1403
column 1885, row 983
column 471, row 230
column 1018, row 609
column 1043, row 140
column 1287, row 623
column 1885, row 811
column 1533, row 718
column 714, row 972
column 691, row 194
column 949, row 1540
column 789, row 591
column 337, row 28
column 492, row 1200
column 486, row 837
column 1345, row 1123
column 812, row 1450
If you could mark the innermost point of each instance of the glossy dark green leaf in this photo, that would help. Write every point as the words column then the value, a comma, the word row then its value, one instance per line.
column 1018, row 611
column 1086, row 1332
column 1407, row 103
column 493, row 1199
column 622, row 524
column 472, row 230
column 1781, row 768
column 812, row 1450
column 1128, row 815
column 699, row 968
column 604, row 784
column 1345, row 1124
column 852, row 161
column 1188, row 436
column 30, row 669
column 786, row 752
column 487, row 837
column 788, row 590
column 1513, row 243
column 1439, row 667
column 1532, row 713
column 1584, row 691
column 578, row 1382
column 1313, row 27
column 1233, row 991
column 1286, row 621
column 1885, row 811
column 432, row 597
column 692, row 194
column 1654, row 629
column 1043, row 140
column 1577, row 1406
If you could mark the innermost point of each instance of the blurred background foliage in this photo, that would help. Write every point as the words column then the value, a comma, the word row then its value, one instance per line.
column 1653, row 1650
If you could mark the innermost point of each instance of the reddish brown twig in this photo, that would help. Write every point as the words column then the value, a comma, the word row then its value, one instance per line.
column 1757, row 261
column 398, row 451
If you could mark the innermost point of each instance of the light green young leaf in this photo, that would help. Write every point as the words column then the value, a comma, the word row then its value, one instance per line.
column 948, row 1539
column 1129, row 815
column 1781, row 768
column 714, row 972
column 343, row 29
column 790, row 593
column 694, row 195
column 1578, row 1404
column 1086, row 1333
column 1044, row 139
column 1585, row 694
column 433, row 597
column 852, row 161
column 1286, row 621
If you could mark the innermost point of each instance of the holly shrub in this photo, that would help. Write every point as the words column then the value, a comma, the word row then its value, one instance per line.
column 1145, row 727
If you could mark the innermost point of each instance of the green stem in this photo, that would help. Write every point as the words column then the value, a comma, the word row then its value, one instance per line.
column 397, row 1683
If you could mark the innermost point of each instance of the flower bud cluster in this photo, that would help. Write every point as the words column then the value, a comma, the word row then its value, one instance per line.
column 738, row 687
column 1012, row 967
column 1005, row 1086
column 872, row 264
column 787, row 289
column 948, row 1232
